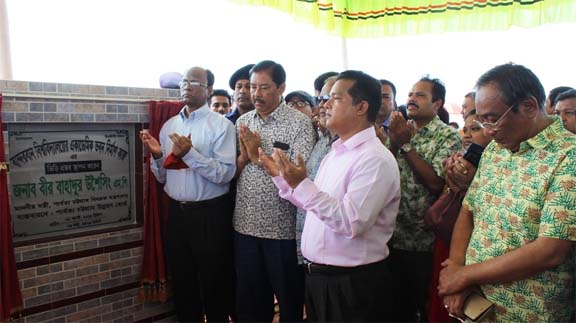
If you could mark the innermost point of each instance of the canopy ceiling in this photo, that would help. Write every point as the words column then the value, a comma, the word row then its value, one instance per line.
column 377, row 18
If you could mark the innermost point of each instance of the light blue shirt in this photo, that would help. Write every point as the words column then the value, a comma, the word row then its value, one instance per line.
column 211, row 160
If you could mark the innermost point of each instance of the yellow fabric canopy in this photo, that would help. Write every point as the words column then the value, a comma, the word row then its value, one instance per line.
column 376, row 18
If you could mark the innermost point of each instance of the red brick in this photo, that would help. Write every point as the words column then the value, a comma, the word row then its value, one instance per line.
column 62, row 311
column 67, row 293
column 54, row 268
column 26, row 273
column 34, row 254
column 40, row 317
column 83, row 314
column 125, row 262
column 44, row 289
column 90, row 279
column 94, row 319
column 99, row 259
column 62, row 276
column 71, row 283
column 112, row 315
column 38, row 300
column 29, row 292
column 122, row 304
column 49, row 244
column 24, row 248
column 86, row 270
column 90, row 288
column 57, row 286
column 127, row 318
column 89, row 304
column 58, row 250
column 137, row 269
column 137, row 251
column 119, row 255
column 76, row 263
column 119, row 281
column 41, row 280
column 131, row 293
column 109, row 299
column 105, row 267
column 84, row 245
column 42, row 270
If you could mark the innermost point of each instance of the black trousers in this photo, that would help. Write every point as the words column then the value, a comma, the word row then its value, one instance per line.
column 268, row 267
column 199, row 247
column 357, row 295
column 411, row 271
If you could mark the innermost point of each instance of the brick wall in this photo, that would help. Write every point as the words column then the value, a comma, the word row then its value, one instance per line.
column 55, row 102
column 90, row 278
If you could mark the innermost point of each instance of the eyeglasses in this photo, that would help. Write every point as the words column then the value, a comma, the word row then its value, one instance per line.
column 493, row 125
column 185, row 83
column 322, row 98
column 300, row 104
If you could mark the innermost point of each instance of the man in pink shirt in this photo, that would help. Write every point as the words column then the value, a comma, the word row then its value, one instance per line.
column 350, row 208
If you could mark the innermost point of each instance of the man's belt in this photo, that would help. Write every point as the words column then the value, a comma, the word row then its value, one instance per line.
column 191, row 205
column 320, row 269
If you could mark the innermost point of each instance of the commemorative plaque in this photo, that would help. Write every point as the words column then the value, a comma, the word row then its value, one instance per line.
column 68, row 178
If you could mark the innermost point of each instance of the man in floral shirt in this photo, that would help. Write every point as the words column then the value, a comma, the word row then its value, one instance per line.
column 515, row 233
column 420, row 146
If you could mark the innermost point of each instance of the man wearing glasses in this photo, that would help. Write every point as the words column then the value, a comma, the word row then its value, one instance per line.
column 514, row 237
column 566, row 108
column 196, row 159
column 302, row 102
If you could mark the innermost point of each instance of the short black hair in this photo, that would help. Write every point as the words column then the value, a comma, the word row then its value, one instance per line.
column 321, row 80
column 438, row 89
column 220, row 92
column 553, row 95
column 444, row 115
column 569, row 94
column 275, row 70
column 365, row 88
column 391, row 85
column 515, row 82
column 209, row 77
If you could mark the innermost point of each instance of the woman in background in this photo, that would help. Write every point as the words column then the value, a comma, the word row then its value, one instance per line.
column 460, row 170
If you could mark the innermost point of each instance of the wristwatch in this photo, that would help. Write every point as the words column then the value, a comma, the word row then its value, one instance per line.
column 406, row 148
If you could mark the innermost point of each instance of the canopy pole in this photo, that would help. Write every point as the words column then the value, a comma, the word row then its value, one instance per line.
column 344, row 54
column 5, row 59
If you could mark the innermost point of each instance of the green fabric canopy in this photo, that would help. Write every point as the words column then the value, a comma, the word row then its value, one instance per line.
column 377, row 18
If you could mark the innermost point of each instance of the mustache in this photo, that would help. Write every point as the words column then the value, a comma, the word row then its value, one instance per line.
column 413, row 104
column 259, row 101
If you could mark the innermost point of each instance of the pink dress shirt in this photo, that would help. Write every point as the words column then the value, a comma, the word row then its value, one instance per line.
column 352, row 204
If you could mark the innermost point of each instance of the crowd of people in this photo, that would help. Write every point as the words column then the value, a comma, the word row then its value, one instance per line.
column 318, row 202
